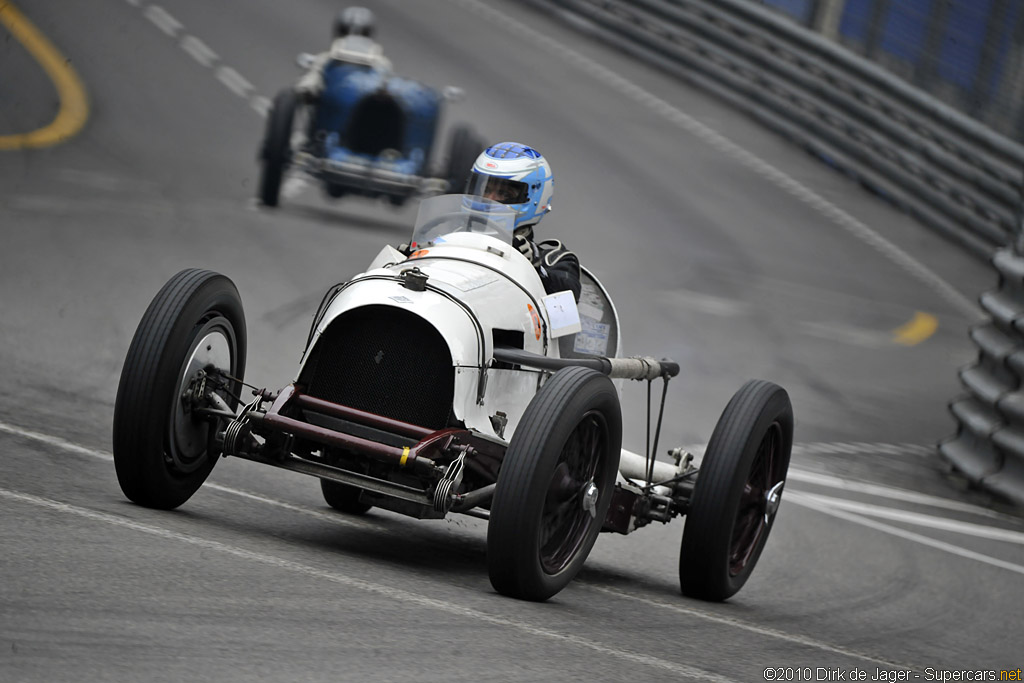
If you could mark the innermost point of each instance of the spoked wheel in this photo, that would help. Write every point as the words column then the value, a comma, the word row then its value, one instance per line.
column 343, row 497
column 275, row 154
column 555, row 485
column 737, row 492
column 162, row 451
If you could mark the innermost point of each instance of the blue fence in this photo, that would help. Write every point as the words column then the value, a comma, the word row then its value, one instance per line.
column 968, row 53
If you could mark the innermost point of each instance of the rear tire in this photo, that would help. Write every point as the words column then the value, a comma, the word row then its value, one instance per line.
column 555, row 485
column 464, row 148
column 276, row 153
column 334, row 190
column 737, row 492
column 343, row 497
column 162, row 453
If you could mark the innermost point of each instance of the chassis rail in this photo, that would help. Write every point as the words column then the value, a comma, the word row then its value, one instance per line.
column 368, row 176
column 616, row 368
column 437, row 460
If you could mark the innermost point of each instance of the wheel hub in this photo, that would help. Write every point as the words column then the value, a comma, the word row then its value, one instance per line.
column 772, row 498
column 189, row 436
column 589, row 499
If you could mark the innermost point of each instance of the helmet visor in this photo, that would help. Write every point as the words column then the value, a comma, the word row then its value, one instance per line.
column 504, row 190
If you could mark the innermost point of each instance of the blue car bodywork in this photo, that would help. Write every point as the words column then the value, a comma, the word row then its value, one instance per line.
column 368, row 133
column 365, row 116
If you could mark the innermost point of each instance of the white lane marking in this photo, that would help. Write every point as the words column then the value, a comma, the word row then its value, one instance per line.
column 735, row 623
column 391, row 592
column 888, row 449
column 799, row 499
column 794, row 474
column 55, row 441
column 162, row 20
column 63, row 444
column 862, row 447
column 205, row 56
column 847, row 334
column 706, row 303
column 233, row 80
column 260, row 104
column 106, row 183
column 880, row 491
column 916, row 518
column 718, row 141
column 199, row 51
column 327, row 517
column 843, row 448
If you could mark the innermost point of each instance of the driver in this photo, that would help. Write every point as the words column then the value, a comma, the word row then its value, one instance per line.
column 353, row 44
column 518, row 176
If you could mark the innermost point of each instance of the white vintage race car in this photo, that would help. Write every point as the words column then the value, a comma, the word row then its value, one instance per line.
column 444, row 380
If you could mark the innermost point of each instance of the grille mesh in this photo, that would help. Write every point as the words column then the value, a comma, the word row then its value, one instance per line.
column 385, row 361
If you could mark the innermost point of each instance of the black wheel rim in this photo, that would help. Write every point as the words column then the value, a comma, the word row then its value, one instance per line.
column 757, row 506
column 570, row 505
column 187, row 437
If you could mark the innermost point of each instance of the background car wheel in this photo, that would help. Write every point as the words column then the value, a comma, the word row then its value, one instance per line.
column 162, row 455
column 737, row 492
column 464, row 148
column 555, row 485
column 343, row 497
column 334, row 190
column 276, row 152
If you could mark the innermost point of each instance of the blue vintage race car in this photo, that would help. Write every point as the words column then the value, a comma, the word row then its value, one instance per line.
column 369, row 133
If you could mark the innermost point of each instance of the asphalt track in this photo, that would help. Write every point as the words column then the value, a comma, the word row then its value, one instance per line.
column 724, row 248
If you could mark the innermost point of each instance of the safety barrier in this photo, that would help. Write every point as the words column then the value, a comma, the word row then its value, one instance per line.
column 949, row 171
column 988, row 447
column 942, row 167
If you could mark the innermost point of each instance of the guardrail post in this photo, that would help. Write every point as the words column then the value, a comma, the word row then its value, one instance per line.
column 991, row 59
column 827, row 14
column 876, row 25
column 1018, row 243
column 926, row 75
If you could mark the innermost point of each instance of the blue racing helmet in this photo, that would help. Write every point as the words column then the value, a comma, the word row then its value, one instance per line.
column 517, row 176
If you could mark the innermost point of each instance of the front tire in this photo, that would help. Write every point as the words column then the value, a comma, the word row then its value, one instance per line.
column 555, row 485
column 276, row 153
column 737, row 492
column 162, row 453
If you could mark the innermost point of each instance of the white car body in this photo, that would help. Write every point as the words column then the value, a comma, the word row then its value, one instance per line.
column 479, row 283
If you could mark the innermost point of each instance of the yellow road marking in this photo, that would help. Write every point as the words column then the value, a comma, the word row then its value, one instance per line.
column 74, row 104
column 920, row 327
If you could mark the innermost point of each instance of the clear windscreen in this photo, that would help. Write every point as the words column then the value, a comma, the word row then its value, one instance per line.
column 451, row 213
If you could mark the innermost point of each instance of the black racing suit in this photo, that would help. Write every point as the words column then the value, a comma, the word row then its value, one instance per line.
column 559, row 268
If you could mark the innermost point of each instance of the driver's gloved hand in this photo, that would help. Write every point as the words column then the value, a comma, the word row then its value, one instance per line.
column 405, row 248
column 527, row 249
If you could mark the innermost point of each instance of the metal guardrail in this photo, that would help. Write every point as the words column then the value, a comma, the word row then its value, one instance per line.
column 947, row 170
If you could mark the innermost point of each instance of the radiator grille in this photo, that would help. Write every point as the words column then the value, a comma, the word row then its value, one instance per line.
column 386, row 361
